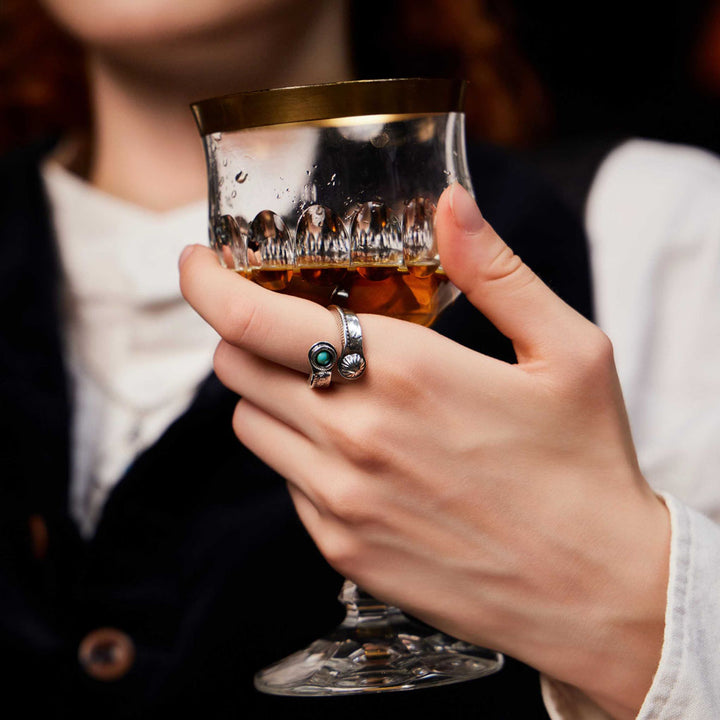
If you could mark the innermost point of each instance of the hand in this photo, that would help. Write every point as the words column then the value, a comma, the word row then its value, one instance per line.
column 500, row 503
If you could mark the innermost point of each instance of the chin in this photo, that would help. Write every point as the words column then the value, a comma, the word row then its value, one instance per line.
column 132, row 22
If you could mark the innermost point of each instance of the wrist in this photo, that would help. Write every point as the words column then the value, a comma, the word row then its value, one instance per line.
column 616, row 667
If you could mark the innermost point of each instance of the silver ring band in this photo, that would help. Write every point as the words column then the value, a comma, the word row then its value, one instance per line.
column 351, row 364
column 322, row 357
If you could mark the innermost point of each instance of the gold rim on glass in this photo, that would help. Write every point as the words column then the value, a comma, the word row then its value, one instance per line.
column 312, row 103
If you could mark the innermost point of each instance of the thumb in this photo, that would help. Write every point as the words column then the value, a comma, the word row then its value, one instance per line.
column 498, row 283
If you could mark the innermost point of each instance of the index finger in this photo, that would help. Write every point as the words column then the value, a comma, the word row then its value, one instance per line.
column 278, row 327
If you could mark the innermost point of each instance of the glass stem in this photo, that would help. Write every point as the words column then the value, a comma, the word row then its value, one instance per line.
column 365, row 614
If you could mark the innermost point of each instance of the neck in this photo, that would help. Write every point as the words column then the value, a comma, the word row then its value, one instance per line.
column 145, row 146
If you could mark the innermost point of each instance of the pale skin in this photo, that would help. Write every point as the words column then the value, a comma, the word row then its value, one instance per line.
column 500, row 503
column 148, row 59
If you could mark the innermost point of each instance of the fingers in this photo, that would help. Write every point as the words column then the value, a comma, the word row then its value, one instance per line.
column 499, row 284
column 287, row 451
column 281, row 392
column 280, row 328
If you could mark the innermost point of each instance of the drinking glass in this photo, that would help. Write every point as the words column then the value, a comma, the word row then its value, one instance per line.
column 329, row 192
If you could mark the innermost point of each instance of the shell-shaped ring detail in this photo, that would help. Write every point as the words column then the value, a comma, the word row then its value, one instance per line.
column 351, row 364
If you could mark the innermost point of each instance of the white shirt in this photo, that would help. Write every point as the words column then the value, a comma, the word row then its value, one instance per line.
column 136, row 350
column 653, row 221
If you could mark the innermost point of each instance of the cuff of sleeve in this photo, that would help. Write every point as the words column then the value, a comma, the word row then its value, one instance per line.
column 565, row 702
column 668, row 668
column 686, row 681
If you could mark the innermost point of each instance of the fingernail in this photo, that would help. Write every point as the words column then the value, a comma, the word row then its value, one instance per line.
column 185, row 254
column 466, row 213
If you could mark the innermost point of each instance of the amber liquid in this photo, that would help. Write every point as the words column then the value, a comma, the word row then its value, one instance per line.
column 417, row 293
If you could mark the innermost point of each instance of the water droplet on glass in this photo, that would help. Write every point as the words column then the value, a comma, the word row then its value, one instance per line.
column 233, row 194
column 225, row 161
column 217, row 137
column 309, row 193
column 376, row 239
column 221, row 181
column 241, row 177
column 380, row 140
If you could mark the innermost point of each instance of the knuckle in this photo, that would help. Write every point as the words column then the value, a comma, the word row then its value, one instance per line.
column 239, row 421
column 221, row 358
column 596, row 356
column 590, row 367
column 349, row 501
column 506, row 273
column 186, row 279
column 241, row 323
column 342, row 552
column 503, row 265
column 362, row 442
column 406, row 375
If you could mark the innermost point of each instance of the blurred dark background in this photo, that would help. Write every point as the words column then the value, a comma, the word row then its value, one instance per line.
column 542, row 75
column 601, row 69
column 627, row 68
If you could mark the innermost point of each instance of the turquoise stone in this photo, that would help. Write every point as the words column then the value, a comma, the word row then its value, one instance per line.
column 323, row 358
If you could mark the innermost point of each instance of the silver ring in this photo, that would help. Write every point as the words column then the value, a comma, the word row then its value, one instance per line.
column 322, row 356
column 351, row 364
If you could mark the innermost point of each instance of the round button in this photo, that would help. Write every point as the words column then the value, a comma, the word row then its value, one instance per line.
column 106, row 654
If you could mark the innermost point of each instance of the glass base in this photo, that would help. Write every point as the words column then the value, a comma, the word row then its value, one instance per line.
column 376, row 649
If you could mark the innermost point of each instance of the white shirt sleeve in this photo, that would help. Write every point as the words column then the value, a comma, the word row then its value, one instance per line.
column 687, row 681
column 653, row 224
